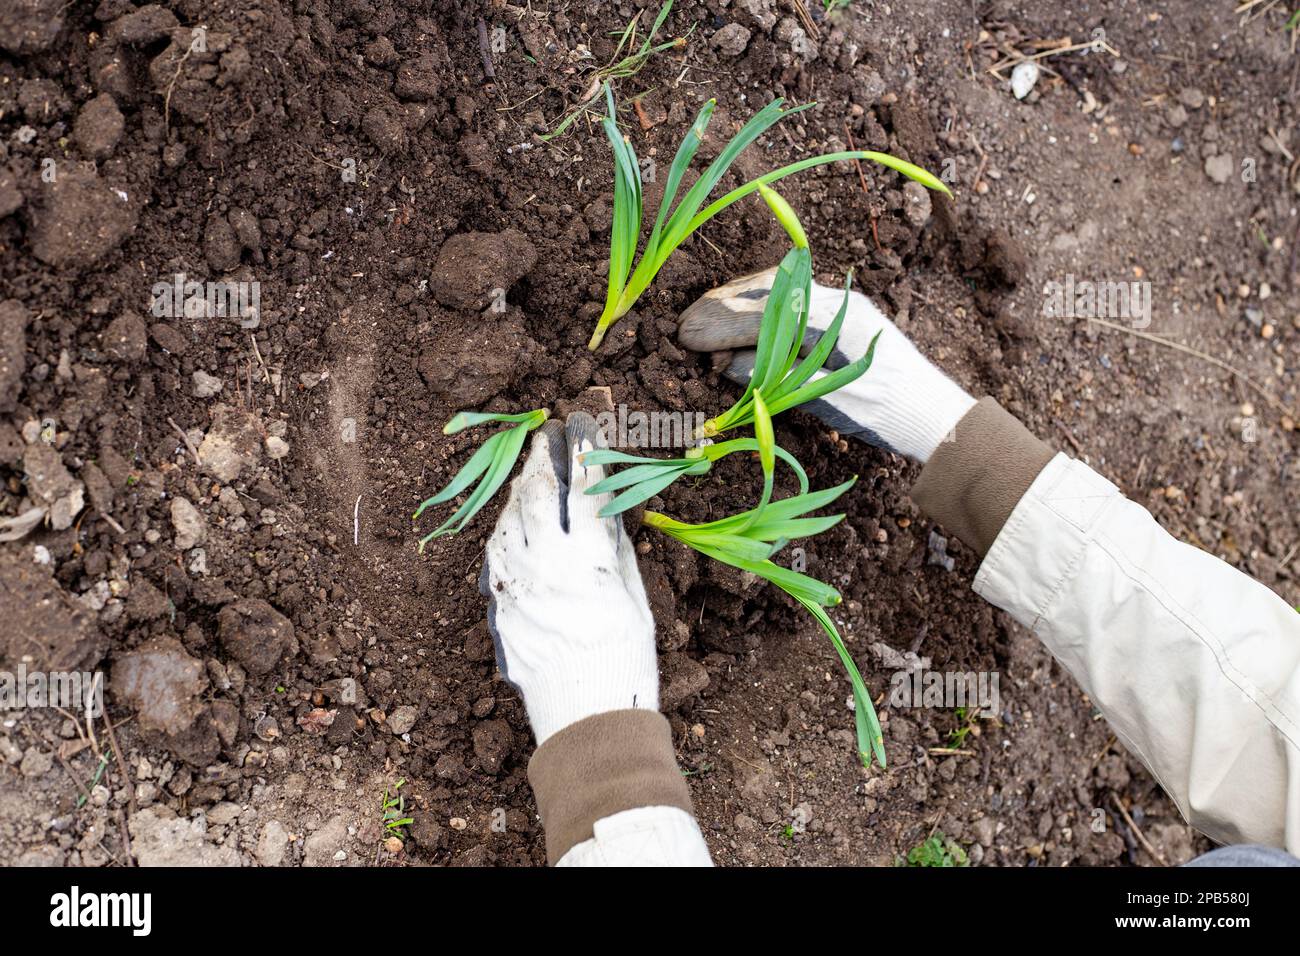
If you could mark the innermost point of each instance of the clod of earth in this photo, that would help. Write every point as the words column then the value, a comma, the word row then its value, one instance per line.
column 126, row 339
column 486, row 361
column 159, row 838
column 474, row 270
column 232, row 444
column 255, row 634
column 29, row 26
column 163, row 684
column 43, row 626
column 98, row 127
column 13, row 351
column 52, row 486
column 80, row 218
column 191, row 527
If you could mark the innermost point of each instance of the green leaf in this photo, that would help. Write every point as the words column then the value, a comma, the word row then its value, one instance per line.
column 608, row 456
column 462, row 420
column 503, row 460
column 784, row 509
column 799, row 585
column 776, row 331
column 764, row 435
column 491, row 464
column 476, row 465
column 682, row 222
column 722, row 449
column 820, row 352
column 681, row 162
column 791, row 528
column 911, row 171
column 766, row 442
column 648, row 488
column 738, row 547
column 870, row 739
column 630, row 476
column 928, row 179
column 625, row 229
column 784, row 215
column 828, row 382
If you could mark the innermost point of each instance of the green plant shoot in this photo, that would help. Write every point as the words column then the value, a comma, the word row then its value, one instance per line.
column 781, row 334
column 670, row 231
column 747, row 541
column 649, row 476
column 492, row 462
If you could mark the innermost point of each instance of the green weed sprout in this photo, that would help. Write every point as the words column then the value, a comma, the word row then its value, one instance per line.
column 670, row 231
column 748, row 540
column 619, row 69
column 394, row 807
column 938, row 850
column 493, row 461
column 781, row 383
column 649, row 476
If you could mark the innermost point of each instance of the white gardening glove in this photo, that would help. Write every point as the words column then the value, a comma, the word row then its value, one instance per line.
column 903, row 403
column 567, row 609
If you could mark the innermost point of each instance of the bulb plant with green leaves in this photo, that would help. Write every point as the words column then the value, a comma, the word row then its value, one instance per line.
column 649, row 476
column 775, row 386
column 781, row 382
column 626, row 284
column 749, row 540
column 490, row 466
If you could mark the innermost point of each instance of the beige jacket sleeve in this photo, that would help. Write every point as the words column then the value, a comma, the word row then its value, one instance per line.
column 1195, row 665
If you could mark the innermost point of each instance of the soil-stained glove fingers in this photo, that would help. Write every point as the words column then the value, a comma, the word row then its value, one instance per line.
column 727, row 317
column 541, row 490
column 741, row 368
column 584, row 435
column 498, row 648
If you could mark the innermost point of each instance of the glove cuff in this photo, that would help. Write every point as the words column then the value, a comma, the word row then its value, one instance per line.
column 562, row 695
column 922, row 414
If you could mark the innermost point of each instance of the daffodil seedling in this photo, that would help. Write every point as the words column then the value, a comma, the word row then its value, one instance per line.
column 649, row 476
column 492, row 463
column 670, row 231
column 781, row 384
column 748, row 541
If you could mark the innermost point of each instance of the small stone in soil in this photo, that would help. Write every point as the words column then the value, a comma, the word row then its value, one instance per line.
column 205, row 385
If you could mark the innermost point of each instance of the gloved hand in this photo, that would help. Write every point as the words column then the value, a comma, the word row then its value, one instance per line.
column 903, row 403
column 567, row 609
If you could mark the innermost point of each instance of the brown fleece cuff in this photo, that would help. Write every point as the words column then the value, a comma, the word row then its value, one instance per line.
column 600, row 766
column 971, row 484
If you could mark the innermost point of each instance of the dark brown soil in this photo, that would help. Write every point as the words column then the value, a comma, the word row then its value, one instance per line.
column 350, row 157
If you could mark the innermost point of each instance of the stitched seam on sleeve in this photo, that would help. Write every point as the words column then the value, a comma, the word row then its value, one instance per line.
column 1193, row 624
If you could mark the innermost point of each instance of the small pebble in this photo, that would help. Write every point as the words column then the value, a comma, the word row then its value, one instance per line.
column 1023, row 79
